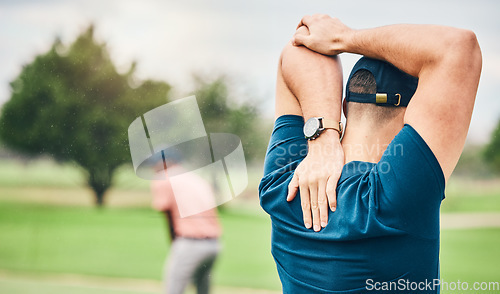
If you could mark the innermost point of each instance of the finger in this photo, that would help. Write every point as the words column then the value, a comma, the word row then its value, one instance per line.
column 303, row 30
column 293, row 187
column 306, row 204
column 300, row 36
column 322, row 203
column 304, row 21
column 331, row 192
column 300, row 23
column 300, row 39
column 313, row 194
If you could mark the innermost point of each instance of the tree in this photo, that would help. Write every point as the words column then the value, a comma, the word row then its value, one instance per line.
column 72, row 104
column 221, row 114
column 492, row 150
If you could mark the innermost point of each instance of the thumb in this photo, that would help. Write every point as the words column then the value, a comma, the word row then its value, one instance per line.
column 300, row 39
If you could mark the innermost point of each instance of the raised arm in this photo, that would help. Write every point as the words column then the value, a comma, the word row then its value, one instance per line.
column 310, row 85
column 446, row 60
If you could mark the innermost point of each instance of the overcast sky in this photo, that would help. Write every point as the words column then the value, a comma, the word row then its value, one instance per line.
column 243, row 39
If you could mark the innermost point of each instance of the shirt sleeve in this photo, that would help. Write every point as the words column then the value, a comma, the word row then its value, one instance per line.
column 409, row 185
column 287, row 146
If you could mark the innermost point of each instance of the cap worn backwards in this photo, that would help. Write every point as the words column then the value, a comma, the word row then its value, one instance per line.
column 394, row 87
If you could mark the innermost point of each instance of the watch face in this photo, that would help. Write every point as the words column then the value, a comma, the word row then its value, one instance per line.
column 311, row 127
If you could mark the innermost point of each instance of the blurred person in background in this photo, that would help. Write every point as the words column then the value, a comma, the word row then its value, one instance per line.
column 194, row 238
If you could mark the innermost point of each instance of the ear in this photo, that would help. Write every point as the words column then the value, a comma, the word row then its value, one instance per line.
column 344, row 107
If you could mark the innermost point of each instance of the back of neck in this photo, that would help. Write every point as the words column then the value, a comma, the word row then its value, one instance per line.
column 367, row 142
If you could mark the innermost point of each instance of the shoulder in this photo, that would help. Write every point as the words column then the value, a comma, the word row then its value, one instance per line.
column 409, row 153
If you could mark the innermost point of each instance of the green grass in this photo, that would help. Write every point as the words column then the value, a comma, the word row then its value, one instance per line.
column 39, row 173
column 458, row 203
column 125, row 242
column 470, row 256
column 466, row 195
column 131, row 243
column 27, row 287
column 246, row 260
column 47, row 173
column 81, row 240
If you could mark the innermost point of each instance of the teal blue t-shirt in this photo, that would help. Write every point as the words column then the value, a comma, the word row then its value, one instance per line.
column 384, row 234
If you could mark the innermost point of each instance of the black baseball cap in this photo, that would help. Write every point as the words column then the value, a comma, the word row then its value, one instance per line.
column 394, row 87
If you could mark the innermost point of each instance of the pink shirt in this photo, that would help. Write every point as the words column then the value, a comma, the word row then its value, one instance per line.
column 192, row 193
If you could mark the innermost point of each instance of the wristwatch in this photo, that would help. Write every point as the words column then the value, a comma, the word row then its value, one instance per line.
column 316, row 125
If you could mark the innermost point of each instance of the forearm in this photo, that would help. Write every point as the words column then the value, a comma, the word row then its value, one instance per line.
column 446, row 60
column 415, row 49
column 316, row 82
column 412, row 48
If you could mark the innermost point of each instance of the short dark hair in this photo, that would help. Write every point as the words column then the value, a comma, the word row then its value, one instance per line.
column 363, row 82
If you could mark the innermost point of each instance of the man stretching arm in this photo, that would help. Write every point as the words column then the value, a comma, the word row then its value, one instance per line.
column 384, row 234
column 310, row 85
column 446, row 60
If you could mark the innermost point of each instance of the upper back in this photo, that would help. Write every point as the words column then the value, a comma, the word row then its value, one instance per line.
column 386, row 224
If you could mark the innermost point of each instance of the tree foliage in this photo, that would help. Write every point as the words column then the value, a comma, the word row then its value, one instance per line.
column 221, row 114
column 72, row 104
column 492, row 150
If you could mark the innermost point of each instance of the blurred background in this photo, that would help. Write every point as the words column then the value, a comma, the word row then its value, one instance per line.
column 74, row 218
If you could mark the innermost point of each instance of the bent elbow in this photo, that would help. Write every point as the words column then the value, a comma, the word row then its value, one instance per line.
column 465, row 49
column 475, row 55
